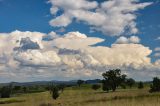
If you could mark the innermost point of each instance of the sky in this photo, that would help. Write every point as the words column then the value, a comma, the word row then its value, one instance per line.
column 78, row 39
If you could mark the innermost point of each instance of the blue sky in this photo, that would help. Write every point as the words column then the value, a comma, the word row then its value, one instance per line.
column 34, row 15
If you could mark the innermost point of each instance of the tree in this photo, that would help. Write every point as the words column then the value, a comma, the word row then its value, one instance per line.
column 130, row 82
column 105, row 85
column 112, row 79
column 155, row 87
column 55, row 92
column 61, row 87
column 80, row 82
column 17, row 88
column 24, row 89
column 95, row 86
column 123, row 81
column 5, row 92
column 140, row 85
column 123, row 85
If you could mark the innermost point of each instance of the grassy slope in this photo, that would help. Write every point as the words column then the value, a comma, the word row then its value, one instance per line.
column 84, row 96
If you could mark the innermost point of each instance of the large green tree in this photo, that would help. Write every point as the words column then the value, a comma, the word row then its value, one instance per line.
column 112, row 79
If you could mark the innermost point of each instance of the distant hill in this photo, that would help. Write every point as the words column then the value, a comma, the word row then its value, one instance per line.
column 93, row 81
column 72, row 82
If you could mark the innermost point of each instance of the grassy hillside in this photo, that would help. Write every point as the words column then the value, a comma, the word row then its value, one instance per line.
column 84, row 96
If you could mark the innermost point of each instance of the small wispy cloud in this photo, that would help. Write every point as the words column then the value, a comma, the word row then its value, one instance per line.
column 158, row 38
column 157, row 49
column 157, row 54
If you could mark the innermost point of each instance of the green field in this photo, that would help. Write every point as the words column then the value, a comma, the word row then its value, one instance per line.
column 85, row 96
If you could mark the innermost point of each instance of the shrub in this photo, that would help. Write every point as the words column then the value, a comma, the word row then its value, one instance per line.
column 130, row 82
column 5, row 92
column 95, row 86
column 55, row 92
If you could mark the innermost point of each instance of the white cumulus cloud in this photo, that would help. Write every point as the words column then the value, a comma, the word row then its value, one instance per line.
column 125, row 40
column 112, row 17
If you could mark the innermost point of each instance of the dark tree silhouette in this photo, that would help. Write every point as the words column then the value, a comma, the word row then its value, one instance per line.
column 61, row 87
column 140, row 85
column 80, row 82
column 55, row 92
column 130, row 82
column 123, row 85
column 5, row 92
column 105, row 85
column 155, row 87
column 112, row 79
column 24, row 89
column 17, row 88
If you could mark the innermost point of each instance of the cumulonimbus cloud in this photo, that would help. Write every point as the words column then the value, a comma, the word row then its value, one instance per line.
column 70, row 56
column 111, row 17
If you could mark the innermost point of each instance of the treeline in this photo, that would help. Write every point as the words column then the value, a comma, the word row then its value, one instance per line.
column 11, row 90
column 112, row 80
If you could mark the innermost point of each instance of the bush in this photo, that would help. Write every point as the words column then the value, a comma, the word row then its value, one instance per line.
column 5, row 92
column 55, row 92
column 140, row 85
column 130, row 82
column 95, row 86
